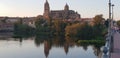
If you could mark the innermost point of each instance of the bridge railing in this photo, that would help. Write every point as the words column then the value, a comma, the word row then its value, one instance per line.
column 108, row 45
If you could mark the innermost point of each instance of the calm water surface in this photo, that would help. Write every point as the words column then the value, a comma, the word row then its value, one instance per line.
column 41, row 48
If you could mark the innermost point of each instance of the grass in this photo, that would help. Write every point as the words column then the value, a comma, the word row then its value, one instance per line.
column 91, row 42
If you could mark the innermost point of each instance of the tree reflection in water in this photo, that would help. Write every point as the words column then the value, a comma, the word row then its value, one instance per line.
column 97, row 51
column 66, row 43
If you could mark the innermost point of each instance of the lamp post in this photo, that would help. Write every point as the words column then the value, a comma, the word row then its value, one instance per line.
column 107, row 48
column 112, row 15
column 110, row 20
column 109, row 9
column 108, row 39
column 113, row 11
column 109, row 27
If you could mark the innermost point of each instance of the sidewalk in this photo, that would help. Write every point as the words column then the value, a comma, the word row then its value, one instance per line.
column 116, row 45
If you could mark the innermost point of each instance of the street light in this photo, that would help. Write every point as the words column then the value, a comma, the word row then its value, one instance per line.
column 112, row 15
column 110, row 20
column 107, row 47
column 109, row 27
column 109, row 9
column 112, row 11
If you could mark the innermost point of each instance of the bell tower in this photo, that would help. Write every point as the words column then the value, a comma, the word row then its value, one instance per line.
column 66, row 8
column 46, row 9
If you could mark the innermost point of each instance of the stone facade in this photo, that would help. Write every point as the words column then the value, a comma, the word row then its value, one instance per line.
column 60, row 14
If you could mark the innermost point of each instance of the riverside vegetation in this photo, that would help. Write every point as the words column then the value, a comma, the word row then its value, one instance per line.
column 82, row 31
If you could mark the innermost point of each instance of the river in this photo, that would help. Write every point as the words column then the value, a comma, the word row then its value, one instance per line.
column 33, row 47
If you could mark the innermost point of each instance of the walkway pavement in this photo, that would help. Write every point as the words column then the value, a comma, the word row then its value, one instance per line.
column 116, row 45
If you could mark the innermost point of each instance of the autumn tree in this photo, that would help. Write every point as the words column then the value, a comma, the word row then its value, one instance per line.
column 82, row 30
column 98, row 20
column 99, row 26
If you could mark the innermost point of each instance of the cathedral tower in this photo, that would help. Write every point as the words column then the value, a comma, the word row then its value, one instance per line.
column 46, row 9
column 66, row 8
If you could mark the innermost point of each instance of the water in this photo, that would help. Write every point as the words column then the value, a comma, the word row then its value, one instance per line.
column 46, row 48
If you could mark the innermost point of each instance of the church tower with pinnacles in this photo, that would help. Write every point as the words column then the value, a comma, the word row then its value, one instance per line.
column 60, row 14
column 66, row 8
column 46, row 9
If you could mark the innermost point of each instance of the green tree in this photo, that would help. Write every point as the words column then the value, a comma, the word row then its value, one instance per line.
column 59, row 27
column 85, row 31
column 118, row 23
column 81, row 30
column 23, row 30
column 42, row 26
column 98, row 20
column 99, row 27
column 4, row 20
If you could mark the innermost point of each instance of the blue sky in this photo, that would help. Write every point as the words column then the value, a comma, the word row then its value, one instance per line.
column 87, row 8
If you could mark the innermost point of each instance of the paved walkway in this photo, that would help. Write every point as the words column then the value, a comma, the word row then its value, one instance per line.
column 116, row 45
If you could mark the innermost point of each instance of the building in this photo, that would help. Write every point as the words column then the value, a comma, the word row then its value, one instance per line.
column 24, row 20
column 29, row 21
column 87, row 19
column 6, row 27
column 60, row 14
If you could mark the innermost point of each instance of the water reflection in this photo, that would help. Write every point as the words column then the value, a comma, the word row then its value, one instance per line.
column 60, row 42
column 47, row 47
column 66, row 43
column 97, row 51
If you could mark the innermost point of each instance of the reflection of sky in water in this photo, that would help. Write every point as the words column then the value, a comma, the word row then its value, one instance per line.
column 28, row 49
column 76, row 52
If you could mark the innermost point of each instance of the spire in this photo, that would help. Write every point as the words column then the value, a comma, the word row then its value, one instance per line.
column 66, row 7
column 66, row 4
column 47, row 1
column 46, row 4
column 46, row 9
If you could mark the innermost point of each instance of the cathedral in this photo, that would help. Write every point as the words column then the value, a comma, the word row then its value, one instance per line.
column 60, row 14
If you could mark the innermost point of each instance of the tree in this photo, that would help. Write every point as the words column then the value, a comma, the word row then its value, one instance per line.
column 99, row 26
column 23, row 30
column 118, row 23
column 43, row 27
column 107, row 23
column 98, row 20
column 4, row 20
column 81, row 30
column 59, row 27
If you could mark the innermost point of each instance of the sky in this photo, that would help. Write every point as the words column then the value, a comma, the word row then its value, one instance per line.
column 87, row 8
